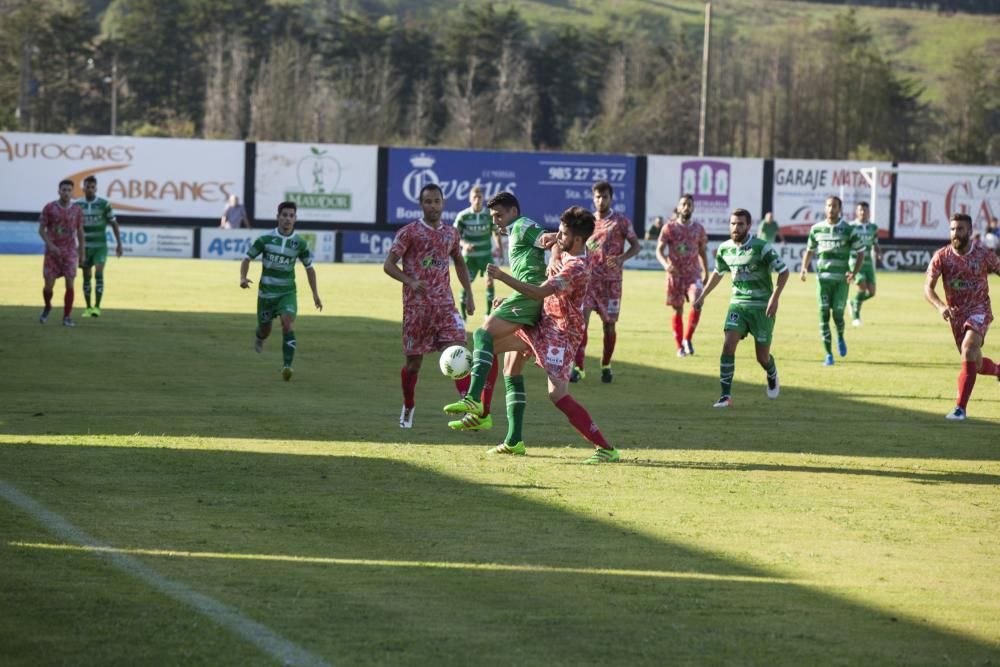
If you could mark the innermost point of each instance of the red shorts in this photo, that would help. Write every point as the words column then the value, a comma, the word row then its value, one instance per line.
column 978, row 321
column 682, row 288
column 604, row 296
column 431, row 328
column 63, row 263
column 553, row 350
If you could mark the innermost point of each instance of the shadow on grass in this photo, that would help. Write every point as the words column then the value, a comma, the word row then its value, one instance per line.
column 394, row 577
column 195, row 374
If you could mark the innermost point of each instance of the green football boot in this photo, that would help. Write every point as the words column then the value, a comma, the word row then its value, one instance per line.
column 504, row 448
column 603, row 456
column 286, row 373
column 471, row 422
column 467, row 404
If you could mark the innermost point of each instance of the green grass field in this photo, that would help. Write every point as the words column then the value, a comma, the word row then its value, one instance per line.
column 158, row 480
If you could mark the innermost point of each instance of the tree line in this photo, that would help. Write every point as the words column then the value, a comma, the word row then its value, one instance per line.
column 480, row 77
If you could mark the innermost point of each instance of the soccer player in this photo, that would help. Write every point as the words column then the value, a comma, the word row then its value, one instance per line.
column 964, row 268
column 753, row 304
column 527, row 264
column 475, row 230
column 683, row 252
column 835, row 244
column 553, row 339
column 769, row 229
column 868, row 231
column 430, row 320
column 61, row 229
column 97, row 215
column 607, row 247
column 276, row 296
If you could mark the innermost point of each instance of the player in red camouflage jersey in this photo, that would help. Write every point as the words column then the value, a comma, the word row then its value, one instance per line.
column 606, row 247
column 682, row 251
column 553, row 340
column 430, row 320
column 965, row 267
column 61, row 229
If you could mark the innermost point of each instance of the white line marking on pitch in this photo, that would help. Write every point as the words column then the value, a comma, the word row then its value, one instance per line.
column 260, row 636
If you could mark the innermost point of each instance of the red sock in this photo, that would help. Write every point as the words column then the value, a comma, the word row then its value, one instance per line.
column 491, row 382
column 989, row 367
column 693, row 318
column 609, row 347
column 581, row 350
column 409, row 380
column 581, row 421
column 966, row 381
column 47, row 295
column 68, row 303
column 678, row 328
column 463, row 385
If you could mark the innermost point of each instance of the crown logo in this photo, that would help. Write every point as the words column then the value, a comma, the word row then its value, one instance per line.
column 422, row 161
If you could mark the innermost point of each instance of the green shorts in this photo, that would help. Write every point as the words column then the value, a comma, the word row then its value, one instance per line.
column 520, row 309
column 477, row 265
column 750, row 320
column 268, row 309
column 95, row 256
column 866, row 276
column 832, row 294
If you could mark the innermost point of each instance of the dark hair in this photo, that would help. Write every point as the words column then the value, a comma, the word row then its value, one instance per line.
column 579, row 221
column 287, row 204
column 66, row 181
column 863, row 204
column 504, row 199
column 742, row 213
column 602, row 186
column 837, row 199
column 430, row 186
column 90, row 179
column 961, row 217
column 687, row 195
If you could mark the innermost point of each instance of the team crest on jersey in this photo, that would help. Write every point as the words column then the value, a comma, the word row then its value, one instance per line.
column 555, row 356
column 614, row 305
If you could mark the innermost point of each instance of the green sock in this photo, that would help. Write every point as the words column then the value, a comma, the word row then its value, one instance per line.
column 727, row 364
column 771, row 369
column 288, row 347
column 490, row 295
column 838, row 321
column 856, row 306
column 99, row 290
column 516, row 402
column 86, row 290
column 824, row 330
column 461, row 302
column 482, row 359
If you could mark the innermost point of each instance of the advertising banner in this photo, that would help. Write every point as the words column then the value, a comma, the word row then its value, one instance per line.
column 544, row 183
column 366, row 247
column 907, row 258
column 928, row 195
column 717, row 184
column 791, row 255
column 328, row 182
column 802, row 186
column 20, row 238
column 153, row 242
column 183, row 178
column 234, row 243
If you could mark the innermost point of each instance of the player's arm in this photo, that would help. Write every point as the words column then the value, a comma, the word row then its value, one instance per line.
column 772, row 303
column 661, row 255
column 806, row 258
column 703, row 257
column 44, row 233
column 538, row 292
column 311, row 276
column 859, row 261
column 462, row 271
column 876, row 249
column 634, row 247
column 930, row 292
column 117, row 232
column 713, row 280
column 244, row 267
column 81, row 250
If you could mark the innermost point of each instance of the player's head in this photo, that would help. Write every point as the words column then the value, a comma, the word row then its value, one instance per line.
column 65, row 189
column 576, row 224
column 432, row 203
column 861, row 211
column 287, row 213
column 685, row 207
column 505, row 209
column 768, row 217
column 603, row 194
column 960, row 228
column 90, row 186
column 833, row 208
column 476, row 198
column 739, row 225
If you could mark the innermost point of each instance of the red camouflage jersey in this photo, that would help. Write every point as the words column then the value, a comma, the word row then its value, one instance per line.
column 61, row 224
column 965, row 277
column 608, row 240
column 426, row 254
column 684, row 244
column 563, row 310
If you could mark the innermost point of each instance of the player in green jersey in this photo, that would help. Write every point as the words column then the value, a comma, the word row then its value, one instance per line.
column 753, row 304
column 476, row 234
column 839, row 253
column 276, row 296
column 97, row 215
column 868, row 231
column 527, row 264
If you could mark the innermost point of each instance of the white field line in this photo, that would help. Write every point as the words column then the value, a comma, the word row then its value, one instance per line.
column 279, row 648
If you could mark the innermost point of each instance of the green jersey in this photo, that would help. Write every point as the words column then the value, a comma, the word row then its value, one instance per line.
column 477, row 229
column 834, row 246
column 97, row 215
column 868, row 232
column 278, row 254
column 751, row 264
column 768, row 231
column 527, row 257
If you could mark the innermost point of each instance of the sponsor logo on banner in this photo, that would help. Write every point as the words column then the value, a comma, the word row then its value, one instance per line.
column 234, row 243
column 926, row 201
column 366, row 247
column 902, row 258
column 319, row 176
column 453, row 189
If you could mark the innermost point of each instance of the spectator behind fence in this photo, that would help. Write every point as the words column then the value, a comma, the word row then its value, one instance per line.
column 653, row 231
column 235, row 216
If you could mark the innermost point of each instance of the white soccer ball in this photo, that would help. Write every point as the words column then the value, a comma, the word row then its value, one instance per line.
column 456, row 362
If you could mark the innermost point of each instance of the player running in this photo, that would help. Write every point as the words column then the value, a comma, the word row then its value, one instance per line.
column 683, row 252
column 753, row 304
column 61, row 229
column 965, row 267
column 835, row 244
column 276, row 295
column 868, row 231
column 606, row 247
column 476, row 234
column 97, row 215
column 430, row 320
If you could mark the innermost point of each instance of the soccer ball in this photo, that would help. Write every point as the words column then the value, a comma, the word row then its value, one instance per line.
column 456, row 362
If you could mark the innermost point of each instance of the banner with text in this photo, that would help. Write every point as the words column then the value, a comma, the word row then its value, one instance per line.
column 718, row 185
column 181, row 178
column 21, row 238
column 928, row 195
column 328, row 182
column 544, row 183
column 234, row 243
column 802, row 186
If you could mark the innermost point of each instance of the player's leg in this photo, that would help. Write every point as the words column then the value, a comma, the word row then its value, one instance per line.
column 734, row 330
column 610, row 338
column 86, row 269
column 823, row 297
column 513, row 378
column 69, row 273
column 838, row 305
column 762, row 328
column 581, row 420
column 610, row 309
column 578, row 359
column 287, row 343
column 490, row 290
column 49, row 281
column 99, row 263
column 675, row 300
column 408, row 379
column 693, row 292
column 473, row 267
column 971, row 346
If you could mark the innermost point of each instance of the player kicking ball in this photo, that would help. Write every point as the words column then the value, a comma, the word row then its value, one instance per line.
column 276, row 296
column 753, row 303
